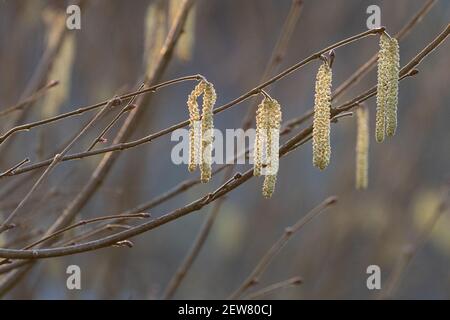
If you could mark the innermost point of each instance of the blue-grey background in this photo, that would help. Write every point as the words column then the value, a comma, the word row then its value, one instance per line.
column 233, row 41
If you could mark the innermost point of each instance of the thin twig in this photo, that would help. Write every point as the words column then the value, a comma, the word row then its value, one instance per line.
column 262, row 265
column 95, row 231
column 15, row 167
column 295, row 281
column 111, row 124
column 39, row 93
column 85, row 222
column 57, row 158
column 82, row 223
column 154, row 88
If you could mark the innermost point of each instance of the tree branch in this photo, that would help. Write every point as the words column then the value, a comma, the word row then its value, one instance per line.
column 245, row 96
column 262, row 265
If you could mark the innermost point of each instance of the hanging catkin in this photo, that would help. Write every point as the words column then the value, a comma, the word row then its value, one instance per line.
column 387, row 87
column 266, row 149
column 209, row 99
column 269, row 186
column 201, row 129
column 194, row 126
column 321, row 123
column 392, row 91
column 362, row 148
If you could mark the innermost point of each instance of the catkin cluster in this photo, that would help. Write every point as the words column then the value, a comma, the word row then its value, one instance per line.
column 387, row 87
column 266, row 149
column 321, row 123
column 201, row 129
column 362, row 148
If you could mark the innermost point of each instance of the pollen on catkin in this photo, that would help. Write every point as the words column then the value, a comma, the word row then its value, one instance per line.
column 267, row 140
column 201, row 129
column 209, row 99
column 258, row 147
column 387, row 87
column 362, row 148
column 269, row 186
column 194, row 126
column 382, row 87
column 321, row 123
column 392, row 91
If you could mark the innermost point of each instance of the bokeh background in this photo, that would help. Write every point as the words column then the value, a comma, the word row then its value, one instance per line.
column 230, row 43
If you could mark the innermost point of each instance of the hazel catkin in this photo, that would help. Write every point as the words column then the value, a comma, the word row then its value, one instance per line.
column 387, row 87
column 382, row 83
column 194, row 126
column 362, row 148
column 321, row 122
column 201, row 129
column 209, row 99
column 392, row 91
column 266, row 149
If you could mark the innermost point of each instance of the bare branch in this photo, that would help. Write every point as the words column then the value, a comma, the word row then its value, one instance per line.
column 142, row 90
column 39, row 93
column 262, row 265
column 295, row 281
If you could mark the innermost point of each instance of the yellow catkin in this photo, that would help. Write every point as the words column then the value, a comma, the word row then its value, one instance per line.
column 392, row 91
column 269, row 186
column 321, row 123
column 194, row 126
column 362, row 148
column 273, row 119
column 266, row 149
column 209, row 99
column 257, row 150
column 201, row 129
column 382, row 87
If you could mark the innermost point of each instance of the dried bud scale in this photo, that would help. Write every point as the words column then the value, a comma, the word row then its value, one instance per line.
column 321, row 122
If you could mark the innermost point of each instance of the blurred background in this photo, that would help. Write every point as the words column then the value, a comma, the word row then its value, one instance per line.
column 230, row 43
